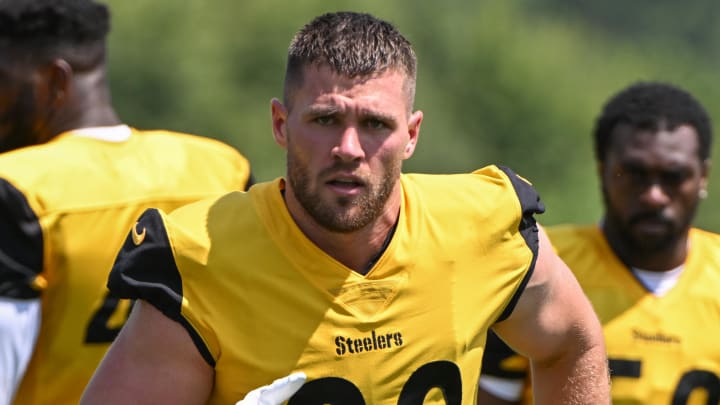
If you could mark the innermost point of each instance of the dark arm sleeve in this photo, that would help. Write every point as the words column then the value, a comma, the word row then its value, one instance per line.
column 21, row 245
column 145, row 269
column 530, row 205
column 494, row 360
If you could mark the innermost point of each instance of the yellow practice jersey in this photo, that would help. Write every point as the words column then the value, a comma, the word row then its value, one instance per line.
column 262, row 301
column 65, row 209
column 663, row 350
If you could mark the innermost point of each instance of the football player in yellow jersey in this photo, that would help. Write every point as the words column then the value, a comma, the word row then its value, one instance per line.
column 368, row 285
column 73, row 180
column 652, row 277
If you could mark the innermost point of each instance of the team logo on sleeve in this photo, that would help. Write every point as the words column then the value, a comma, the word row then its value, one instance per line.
column 138, row 237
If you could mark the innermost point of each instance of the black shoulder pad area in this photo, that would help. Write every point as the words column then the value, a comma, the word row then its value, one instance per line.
column 21, row 245
column 528, row 196
column 145, row 269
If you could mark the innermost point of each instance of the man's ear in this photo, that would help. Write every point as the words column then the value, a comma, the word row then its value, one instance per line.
column 413, row 133
column 279, row 122
column 59, row 79
column 706, row 165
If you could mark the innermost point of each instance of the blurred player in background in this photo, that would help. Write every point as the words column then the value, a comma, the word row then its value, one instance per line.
column 652, row 277
column 73, row 180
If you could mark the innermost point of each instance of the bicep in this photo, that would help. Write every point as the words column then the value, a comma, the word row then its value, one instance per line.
column 553, row 310
column 153, row 360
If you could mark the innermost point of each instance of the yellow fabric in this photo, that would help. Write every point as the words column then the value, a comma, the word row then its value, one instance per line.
column 671, row 340
column 87, row 193
column 673, row 337
column 265, row 301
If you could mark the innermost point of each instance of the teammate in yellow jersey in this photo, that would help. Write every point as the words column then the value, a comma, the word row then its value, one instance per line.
column 362, row 284
column 73, row 180
column 652, row 277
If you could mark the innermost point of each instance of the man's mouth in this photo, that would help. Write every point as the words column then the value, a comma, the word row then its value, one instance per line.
column 651, row 224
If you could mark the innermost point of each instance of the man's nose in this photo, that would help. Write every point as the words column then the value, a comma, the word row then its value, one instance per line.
column 655, row 195
column 349, row 147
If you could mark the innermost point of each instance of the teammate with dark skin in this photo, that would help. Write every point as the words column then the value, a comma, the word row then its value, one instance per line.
column 56, row 88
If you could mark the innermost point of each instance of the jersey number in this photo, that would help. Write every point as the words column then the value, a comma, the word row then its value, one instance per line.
column 689, row 381
column 443, row 375
column 103, row 329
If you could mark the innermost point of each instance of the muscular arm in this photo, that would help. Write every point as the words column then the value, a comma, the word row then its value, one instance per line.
column 555, row 326
column 152, row 361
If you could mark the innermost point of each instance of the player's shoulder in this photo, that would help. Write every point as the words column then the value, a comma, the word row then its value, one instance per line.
column 205, row 152
column 223, row 201
column 29, row 161
column 565, row 230
column 30, row 171
column 574, row 237
column 705, row 244
column 508, row 186
column 705, row 235
column 222, row 210
column 491, row 195
column 194, row 140
column 491, row 178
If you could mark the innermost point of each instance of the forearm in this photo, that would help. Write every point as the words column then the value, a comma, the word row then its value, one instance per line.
column 576, row 379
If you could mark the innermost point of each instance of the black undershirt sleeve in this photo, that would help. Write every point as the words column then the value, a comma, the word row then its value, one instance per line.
column 21, row 245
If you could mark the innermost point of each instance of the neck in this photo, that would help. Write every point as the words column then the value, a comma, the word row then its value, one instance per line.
column 358, row 249
column 662, row 258
column 88, row 105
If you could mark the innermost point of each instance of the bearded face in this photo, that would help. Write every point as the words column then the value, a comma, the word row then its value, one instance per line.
column 342, row 212
column 651, row 182
column 345, row 141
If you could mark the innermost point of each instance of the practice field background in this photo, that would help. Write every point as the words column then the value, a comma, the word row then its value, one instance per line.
column 512, row 82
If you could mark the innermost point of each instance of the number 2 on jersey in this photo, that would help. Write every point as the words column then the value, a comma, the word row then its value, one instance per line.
column 108, row 319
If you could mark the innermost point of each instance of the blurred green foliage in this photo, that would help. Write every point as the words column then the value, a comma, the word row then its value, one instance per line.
column 516, row 83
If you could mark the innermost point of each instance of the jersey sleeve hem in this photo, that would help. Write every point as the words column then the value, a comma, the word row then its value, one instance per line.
column 530, row 205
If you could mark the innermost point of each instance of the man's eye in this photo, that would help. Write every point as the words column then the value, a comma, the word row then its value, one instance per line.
column 375, row 124
column 675, row 177
column 325, row 120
